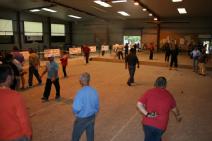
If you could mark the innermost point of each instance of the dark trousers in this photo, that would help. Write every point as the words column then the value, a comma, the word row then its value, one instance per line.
column 167, row 57
column 131, row 73
column 173, row 61
column 152, row 133
column 151, row 55
column 87, row 58
column 120, row 55
column 64, row 71
column 33, row 70
column 103, row 53
column 82, row 124
column 48, row 88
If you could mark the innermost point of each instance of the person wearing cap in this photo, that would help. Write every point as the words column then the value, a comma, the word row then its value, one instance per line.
column 85, row 106
column 52, row 77
column 155, row 105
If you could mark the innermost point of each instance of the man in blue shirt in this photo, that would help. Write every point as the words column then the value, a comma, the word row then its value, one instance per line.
column 52, row 77
column 85, row 107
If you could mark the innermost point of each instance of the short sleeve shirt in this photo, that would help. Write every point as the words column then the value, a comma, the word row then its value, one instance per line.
column 160, row 101
column 52, row 69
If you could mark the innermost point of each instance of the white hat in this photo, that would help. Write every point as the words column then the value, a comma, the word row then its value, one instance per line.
column 50, row 56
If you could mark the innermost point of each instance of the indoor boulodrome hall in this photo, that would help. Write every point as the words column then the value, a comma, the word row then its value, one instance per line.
column 105, row 70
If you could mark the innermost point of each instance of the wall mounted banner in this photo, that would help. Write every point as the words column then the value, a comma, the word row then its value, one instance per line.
column 92, row 48
column 104, row 47
column 49, row 52
column 75, row 50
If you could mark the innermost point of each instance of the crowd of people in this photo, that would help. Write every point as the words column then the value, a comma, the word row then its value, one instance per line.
column 15, row 124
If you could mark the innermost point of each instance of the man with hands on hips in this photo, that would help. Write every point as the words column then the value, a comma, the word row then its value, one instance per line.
column 155, row 105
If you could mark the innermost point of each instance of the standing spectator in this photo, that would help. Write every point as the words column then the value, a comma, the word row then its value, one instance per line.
column 86, row 50
column 195, row 56
column 85, row 107
column 174, row 55
column 130, row 62
column 16, row 67
column 34, row 63
column 167, row 51
column 18, row 56
column 155, row 105
column 202, row 62
column 126, row 49
column 151, row 51
column 103, row 49
column 52, row 77
column 64, row 62
column 14, row 120
column 120, row 51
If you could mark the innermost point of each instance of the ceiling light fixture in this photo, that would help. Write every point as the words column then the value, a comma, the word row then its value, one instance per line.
column 49, row 10
column 123, row 13
column 76, row 17
column 118, row 1
column 182, row 10
column 177, row 0
column 104, row 4
column 150, row 14
column 155, row 19
column 34, row 10
column 144, row 9
column 136, row 3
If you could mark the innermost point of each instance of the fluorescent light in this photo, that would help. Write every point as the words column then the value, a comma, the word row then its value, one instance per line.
column 104, row 4
column 118, row 1
column 150, row 14
column 49, row 10
column 177, row 0
column 34, row 10
column 123, row 13
column 136, row 3
column 182, row 10
column 155, row 19
column 144, row 9
column 76, row 17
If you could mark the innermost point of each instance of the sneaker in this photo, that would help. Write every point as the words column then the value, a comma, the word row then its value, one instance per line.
column 44, row 99
column 128, row 83
column 57, row 98
column 30, row 86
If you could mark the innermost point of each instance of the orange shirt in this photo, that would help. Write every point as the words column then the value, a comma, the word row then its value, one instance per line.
column 14, row 121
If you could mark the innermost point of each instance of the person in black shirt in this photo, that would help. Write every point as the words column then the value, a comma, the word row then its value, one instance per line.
column 130, row 62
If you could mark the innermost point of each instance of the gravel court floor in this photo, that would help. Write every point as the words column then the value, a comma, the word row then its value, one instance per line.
column 118, row 119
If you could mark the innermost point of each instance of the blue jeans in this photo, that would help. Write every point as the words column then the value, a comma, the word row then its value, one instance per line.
column 22, row 139
column 152, row 133
column 132, row 73
column 82, row 124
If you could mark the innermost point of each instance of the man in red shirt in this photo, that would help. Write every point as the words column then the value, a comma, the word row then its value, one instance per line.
column 14, row 121
column 64, row 62
column 86, row 50
column 155, row 105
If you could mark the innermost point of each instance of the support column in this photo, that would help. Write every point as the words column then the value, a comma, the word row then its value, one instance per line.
column 158, row 37
column 18, row 24
column 49, row 31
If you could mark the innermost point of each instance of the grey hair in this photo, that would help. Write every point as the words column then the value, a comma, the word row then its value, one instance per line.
column 85, row 78
column 160, row 82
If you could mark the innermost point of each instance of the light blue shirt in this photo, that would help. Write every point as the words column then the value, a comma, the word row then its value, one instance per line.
column 86, row 102
column 52, row 68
